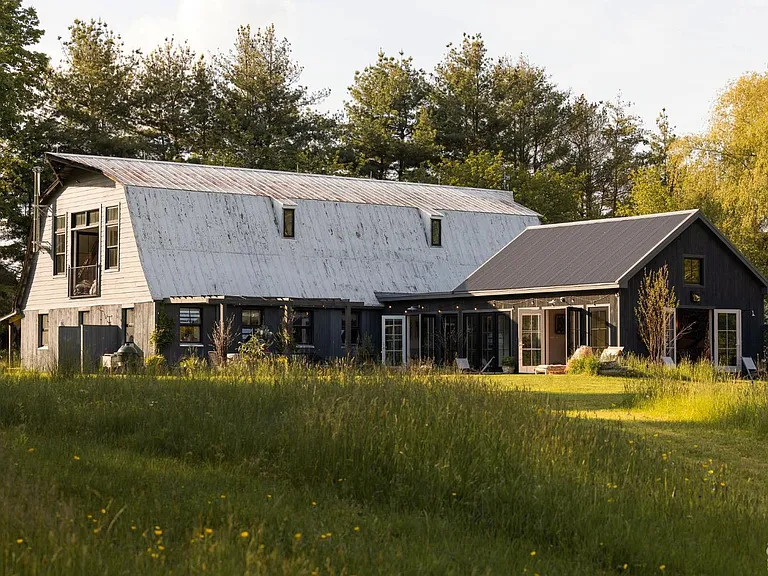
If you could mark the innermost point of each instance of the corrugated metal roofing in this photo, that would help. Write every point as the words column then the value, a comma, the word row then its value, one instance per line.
column 197, row 244
column 296, row 186
column 579, row 253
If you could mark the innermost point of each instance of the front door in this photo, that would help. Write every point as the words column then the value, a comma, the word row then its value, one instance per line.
column 393, row 340
column 530, row 337
column 728, row 340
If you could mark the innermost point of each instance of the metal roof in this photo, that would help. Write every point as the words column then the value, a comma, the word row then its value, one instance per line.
column 292, row 186
column 197, row 244
column 593, row 253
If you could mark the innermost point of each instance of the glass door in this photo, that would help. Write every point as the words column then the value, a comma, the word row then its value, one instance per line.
column 487, row 343
column 470, row 340
column 393, row 340
column 530, row 327
column 728, row 340
column 575, row 330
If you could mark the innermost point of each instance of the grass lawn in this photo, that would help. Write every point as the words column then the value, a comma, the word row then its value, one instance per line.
column 302, row 471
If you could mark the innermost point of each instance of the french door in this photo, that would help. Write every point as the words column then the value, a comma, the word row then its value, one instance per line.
column 393, row 340
column 530, row 325
column 728, row 340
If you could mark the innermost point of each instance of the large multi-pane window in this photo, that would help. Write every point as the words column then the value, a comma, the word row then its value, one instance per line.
column 128, row 324
column 190, row 325
column 251, row 319
column 42, row 331
column 59, row 244
column 727, row 339
column 598, row 329
column 427, row 337
column 113, row 238
column 692, row 271
column 302, row 327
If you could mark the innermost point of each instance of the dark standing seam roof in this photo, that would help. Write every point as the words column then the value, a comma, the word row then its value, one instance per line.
column 592, row 252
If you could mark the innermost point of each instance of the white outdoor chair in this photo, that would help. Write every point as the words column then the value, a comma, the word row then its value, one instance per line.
column 749, row 366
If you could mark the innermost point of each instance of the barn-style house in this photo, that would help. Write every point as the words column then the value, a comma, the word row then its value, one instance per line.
column 415, row 272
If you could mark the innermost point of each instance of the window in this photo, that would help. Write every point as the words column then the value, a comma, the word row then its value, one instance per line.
column 113, row 237
column 251, row 320
column 190, row 323
column 598, row 329
column 355, row 334
column 84, row 219
column 437, row 232
column 82, row 317
column 59, row 244
column 42, row 331
column 302, row 327
column 728, row 338
column 127, row 324
column 289, row 217
column 692, row 268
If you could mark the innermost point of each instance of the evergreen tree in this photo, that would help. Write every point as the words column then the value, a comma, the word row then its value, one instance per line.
column 464, row 111
column 92, row 96
column 387, row 121
column 264, row 106
column 203, row 137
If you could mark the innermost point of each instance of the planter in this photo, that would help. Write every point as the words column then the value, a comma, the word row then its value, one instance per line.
column 508, row 369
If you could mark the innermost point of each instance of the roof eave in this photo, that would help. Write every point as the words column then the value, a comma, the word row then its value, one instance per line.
column 543, row 289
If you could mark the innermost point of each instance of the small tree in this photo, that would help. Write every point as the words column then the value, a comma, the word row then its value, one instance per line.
column 223, row 337
column 655, row 300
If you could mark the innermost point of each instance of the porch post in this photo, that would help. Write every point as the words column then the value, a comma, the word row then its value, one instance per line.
column 348, row 329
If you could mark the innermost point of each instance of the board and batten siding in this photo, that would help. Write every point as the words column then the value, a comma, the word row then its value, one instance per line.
column 126, row 284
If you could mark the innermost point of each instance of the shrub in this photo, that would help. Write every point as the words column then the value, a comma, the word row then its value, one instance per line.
column 155, row 364
column 193, row 365
column 256, row 348
column 162, row 335
column 508, row 361
column 584, row 365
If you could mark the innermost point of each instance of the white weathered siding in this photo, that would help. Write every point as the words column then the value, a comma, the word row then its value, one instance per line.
column 199, row 243
column 125, row 285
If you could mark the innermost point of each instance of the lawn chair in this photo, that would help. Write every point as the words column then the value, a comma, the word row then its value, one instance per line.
column 462, row 365
column 749, row 367
column 487, row 364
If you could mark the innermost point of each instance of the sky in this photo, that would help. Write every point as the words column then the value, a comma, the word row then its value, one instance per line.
column 655, row 54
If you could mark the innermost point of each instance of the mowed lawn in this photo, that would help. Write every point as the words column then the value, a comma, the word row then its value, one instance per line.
column 304, row 471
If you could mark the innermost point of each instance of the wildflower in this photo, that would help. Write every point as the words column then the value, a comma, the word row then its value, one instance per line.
column 269, row 495
column 453, row 494
column 722, row 483
column 31, row 450
column 533, row 552
column 209, row 531
column 244, row 534
column 158, row 532
column 160, row 547
column 95, row 530
column 223, row 496
column 297, row 535
column 314, row 503
column 625, row 566
column 133, row 527
column 20, row 541
column 357, row 528
column 710, row 471
column 103, row 511
column 76, row 457
column 662, row 567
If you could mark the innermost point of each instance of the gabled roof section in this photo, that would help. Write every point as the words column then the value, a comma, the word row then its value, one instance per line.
column 289, row 185
column 594, row 254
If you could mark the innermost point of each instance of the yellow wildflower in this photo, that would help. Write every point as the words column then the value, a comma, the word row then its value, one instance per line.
column 244, row 534
column 209, row 530
column 297, row 535
column 662, row 567
column 76, row 457
column 357, row 528
column 533, row 552
column 20, row 541
column 158, row 532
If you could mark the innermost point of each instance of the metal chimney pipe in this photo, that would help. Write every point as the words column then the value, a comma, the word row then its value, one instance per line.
column 37, row 171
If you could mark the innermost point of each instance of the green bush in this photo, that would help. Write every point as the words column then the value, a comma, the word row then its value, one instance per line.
column 589, row 365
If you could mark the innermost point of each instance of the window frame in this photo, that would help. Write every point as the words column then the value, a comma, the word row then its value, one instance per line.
column 83, row 316
column 700, row 259
column 198, row 325
column 43, row 332
column 590, row 309
column 108, row 224
column 355, row 330
column 292, row 211
column 89, row 221
column 309, row 327
column 59, row 244
column 126, row 324
column 250, row 328
column 436, row 224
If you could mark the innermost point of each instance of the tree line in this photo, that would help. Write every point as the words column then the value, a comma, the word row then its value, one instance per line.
column 474, row 120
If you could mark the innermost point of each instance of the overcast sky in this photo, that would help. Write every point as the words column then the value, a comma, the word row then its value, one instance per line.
column 673, row 54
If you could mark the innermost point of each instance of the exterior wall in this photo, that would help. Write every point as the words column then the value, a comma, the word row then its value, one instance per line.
column 87, row 191
column 727, row 284
column 101, row 315
column 512, row 307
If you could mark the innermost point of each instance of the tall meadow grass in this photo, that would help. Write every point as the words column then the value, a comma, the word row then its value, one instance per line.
column 472, row 456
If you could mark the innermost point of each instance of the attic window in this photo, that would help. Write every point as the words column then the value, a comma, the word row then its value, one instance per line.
column 692, row 268
column 288, row 222
column 436, row 229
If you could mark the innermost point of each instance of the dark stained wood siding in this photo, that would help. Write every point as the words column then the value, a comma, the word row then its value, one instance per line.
column 727, row 283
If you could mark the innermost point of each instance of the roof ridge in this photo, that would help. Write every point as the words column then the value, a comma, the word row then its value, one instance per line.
column 615, row 219
column 73, row 157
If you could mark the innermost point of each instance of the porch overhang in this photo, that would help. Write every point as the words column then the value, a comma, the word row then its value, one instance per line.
column 268, row 301
column 388, row 297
